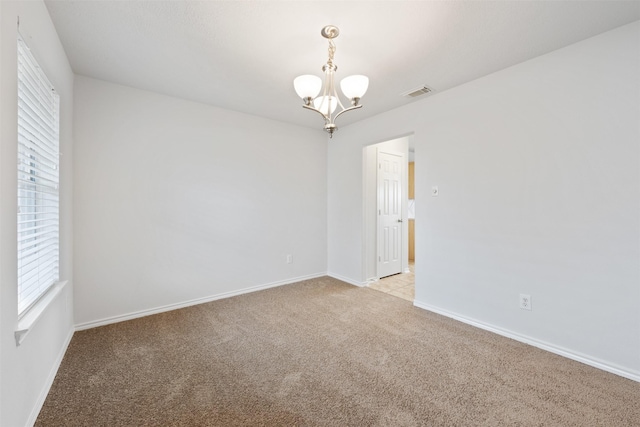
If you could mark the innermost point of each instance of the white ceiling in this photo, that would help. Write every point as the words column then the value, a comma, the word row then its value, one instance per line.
column 244, row 55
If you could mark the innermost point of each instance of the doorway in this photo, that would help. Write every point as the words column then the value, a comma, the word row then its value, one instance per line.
column 386, row 218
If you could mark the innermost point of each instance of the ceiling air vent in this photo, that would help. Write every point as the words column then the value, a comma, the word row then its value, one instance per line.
column 419, row 91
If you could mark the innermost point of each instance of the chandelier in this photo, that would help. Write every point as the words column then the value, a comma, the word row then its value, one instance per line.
column 308, row 87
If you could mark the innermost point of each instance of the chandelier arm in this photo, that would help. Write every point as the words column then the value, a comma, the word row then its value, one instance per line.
column 318, row 111
column 328, row 80
column 345, row 110
column 340, row 104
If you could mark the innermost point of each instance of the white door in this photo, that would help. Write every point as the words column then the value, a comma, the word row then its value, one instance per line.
column 389, row 213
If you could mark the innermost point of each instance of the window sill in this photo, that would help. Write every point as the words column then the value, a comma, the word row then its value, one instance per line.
column 26, row 323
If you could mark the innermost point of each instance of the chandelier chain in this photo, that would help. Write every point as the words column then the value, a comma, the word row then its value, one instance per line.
column 332, row 51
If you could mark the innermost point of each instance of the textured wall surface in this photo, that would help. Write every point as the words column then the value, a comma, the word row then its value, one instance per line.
column 177, row 201
column 539, row 188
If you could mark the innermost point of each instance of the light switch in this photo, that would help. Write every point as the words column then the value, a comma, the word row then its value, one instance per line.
column 434, row 191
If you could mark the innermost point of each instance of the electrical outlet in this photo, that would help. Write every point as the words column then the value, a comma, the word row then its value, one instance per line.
column 289, row 259
column 525, row 302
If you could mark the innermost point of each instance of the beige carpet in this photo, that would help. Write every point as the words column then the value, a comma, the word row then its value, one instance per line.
column 322, row 352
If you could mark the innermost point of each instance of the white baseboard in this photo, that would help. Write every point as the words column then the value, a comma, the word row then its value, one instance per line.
column 635, row 376
column 35, row 411
column 349, row 281
column 170, row 307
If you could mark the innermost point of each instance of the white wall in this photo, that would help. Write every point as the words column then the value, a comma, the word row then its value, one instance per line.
column 27, row 371
column 538, row 172
column 178, row 201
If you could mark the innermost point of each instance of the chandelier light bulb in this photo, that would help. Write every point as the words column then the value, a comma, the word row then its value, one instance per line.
column 354, row 86
column 307, row 86
column 322, row 104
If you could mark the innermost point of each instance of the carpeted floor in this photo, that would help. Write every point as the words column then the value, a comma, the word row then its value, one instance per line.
column 321, row 352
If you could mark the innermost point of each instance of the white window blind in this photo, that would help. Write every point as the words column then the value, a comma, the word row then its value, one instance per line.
column 38, row 179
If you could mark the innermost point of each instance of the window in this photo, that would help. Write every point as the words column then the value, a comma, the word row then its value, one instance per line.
column 38, row 178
